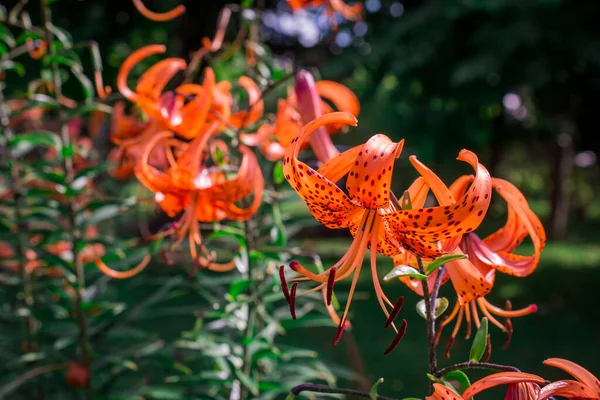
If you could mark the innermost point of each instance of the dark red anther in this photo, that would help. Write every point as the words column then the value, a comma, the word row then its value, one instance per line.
column 449, row 346
column 395, row 311
column 330, row 282
column 488, row 350
column 292, row 301
column 294, row 265
column 398, row 337
column 340, row 330
column 284, row 286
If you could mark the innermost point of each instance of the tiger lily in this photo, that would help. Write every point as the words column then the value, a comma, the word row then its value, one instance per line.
column 352, row 13
column 587, row 386
column 473, row 278
column 368, row 212
column 521, row 386
column 306, row 103
column 189, row 108
column 202, row 193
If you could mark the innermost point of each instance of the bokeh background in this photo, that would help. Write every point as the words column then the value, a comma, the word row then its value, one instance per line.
column 517, row 81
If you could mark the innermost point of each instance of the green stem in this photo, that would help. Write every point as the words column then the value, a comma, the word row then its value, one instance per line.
column 430, row 320
column 252, row 316
column 476, row 365
column 67, row 158
column 16, row 188
column 309, row 387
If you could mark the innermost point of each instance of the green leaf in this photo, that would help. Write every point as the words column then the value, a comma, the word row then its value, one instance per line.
column 245, row 380
column 438, row 262
column 3, row 49
column 86, row 83
column 7, row 37
column 291, row 396
column 373, row 392
column 404, row 270
column 238, row 287
column 479, row 342
column 59, row 59
column 278, row 176
column 441, row 305
column 38, row 138
column 10, row 65
column 460, row 377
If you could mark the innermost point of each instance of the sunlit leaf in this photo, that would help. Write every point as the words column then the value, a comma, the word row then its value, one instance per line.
column 441, row 305
column 480, row 341
column 460, row 377
column 403, row 270
column 438, row 262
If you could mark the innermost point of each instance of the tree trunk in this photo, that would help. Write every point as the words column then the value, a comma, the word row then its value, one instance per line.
column 563, row 170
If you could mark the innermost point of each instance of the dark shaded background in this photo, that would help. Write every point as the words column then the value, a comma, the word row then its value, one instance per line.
column 438, row 76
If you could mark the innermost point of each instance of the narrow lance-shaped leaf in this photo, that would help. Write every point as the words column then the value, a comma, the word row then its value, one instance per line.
column 480, row 341
column 373, row 392
column 403, row 270
column 438, row 262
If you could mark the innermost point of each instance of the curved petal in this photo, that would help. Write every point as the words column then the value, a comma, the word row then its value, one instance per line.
column 256, row 104
column 349, row 12
column 133, row 59
column 416, row 229
column 287, row 124
column 190, row 163
column 336, row 168
column 261, row 136
column 149, row 176
column 500, row 378
column 418, row 191
column 342, row 98
column 528, row 223
column 152, row 82
column 568, row 389
column 249, row 179
column 577, row 371
column 441, row 392
column 159, row 17
column 469, row 281
column 194, row 115
column 327, row 202
column 370, row 178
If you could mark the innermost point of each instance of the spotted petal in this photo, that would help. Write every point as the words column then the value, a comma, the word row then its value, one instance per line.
column 419, row 230
column 569, row 389
column 327, row 202
column 469, row 281
column 370, row 178
column 577, row 371
column 500, row 378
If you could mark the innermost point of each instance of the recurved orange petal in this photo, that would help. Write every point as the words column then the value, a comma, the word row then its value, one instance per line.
column 469, row 281
column 326, row 201
column 568, row 389
column 419, row 230
column 370, row 178
column 441, row 392
column 577, row 371
column 133, row 59
column 500, row 378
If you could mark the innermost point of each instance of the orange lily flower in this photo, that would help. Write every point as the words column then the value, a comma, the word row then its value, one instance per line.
column 203, row 194
column 352, row 13
column 189, row 108
column 473, row 278
column 587, row 386
column 308, row 102
column 368, row 212
column 521, row 386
